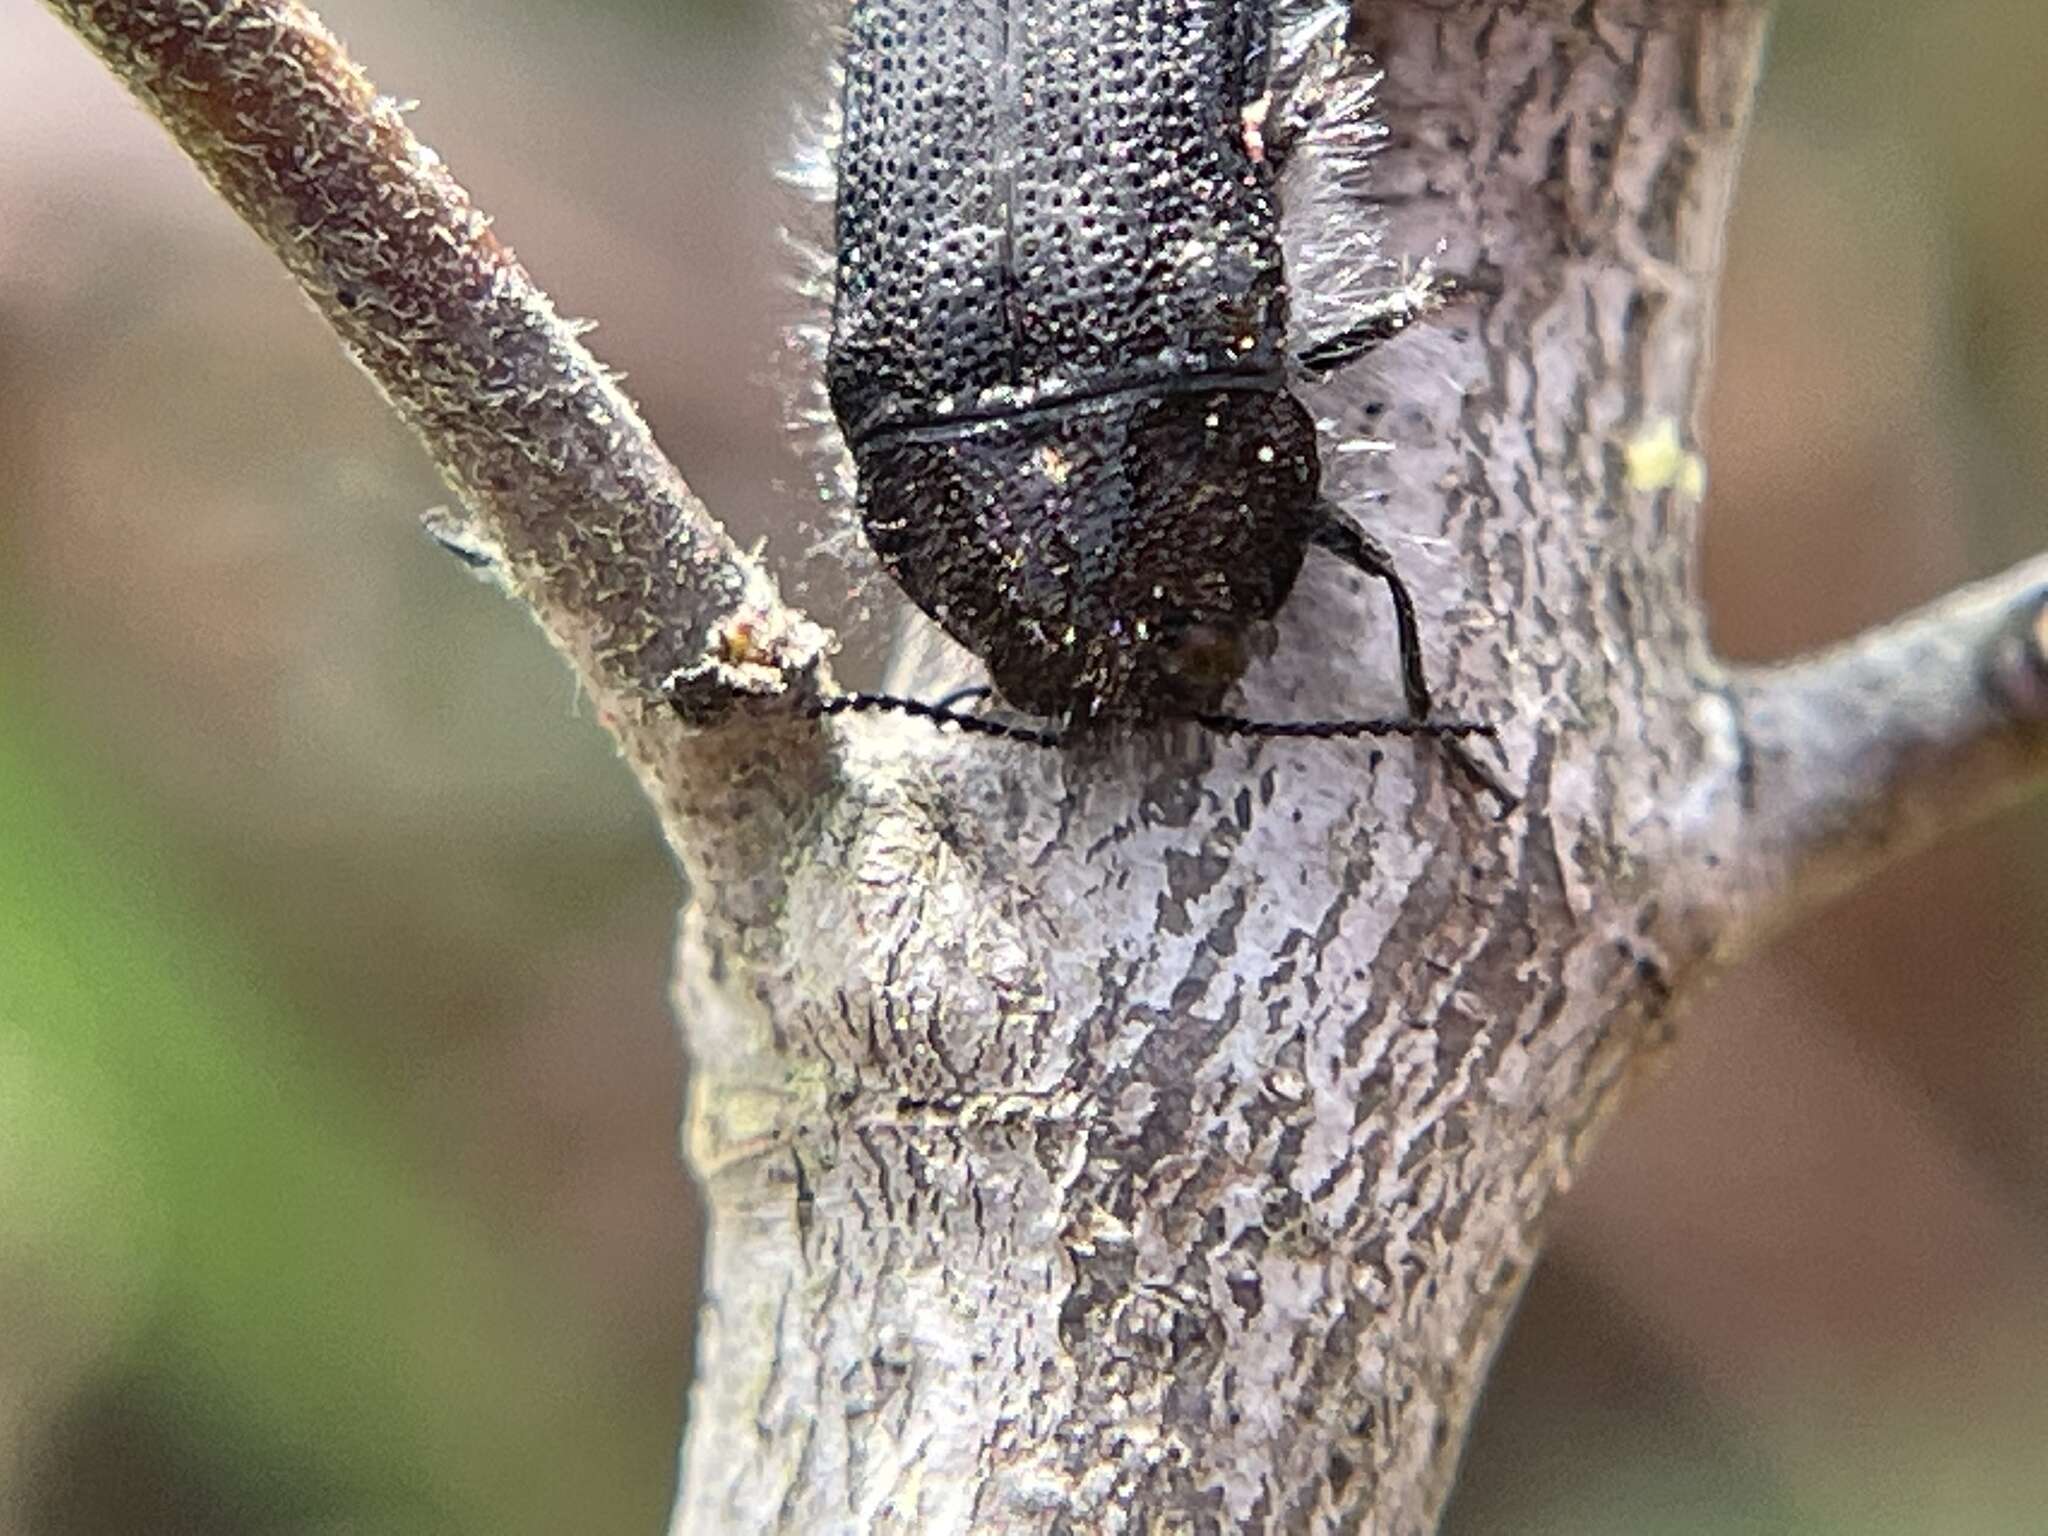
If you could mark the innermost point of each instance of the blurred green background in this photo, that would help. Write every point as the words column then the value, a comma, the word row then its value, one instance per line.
column 338, row 1186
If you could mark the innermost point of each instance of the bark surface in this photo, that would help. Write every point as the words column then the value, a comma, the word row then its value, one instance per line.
column 1161, row 1143
column 1157, row 1139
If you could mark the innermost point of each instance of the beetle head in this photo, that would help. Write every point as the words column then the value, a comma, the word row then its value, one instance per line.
column 1107, row 559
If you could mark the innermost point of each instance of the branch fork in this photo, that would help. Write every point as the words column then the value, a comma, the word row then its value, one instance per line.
column 1292, row 1054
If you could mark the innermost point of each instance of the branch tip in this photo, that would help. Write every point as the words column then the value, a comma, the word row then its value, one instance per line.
column 759, row 651
column 1846, row 760
column 2016, row 662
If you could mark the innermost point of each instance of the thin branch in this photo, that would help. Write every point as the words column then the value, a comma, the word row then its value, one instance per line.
column 589, row 522
column 1854, row 757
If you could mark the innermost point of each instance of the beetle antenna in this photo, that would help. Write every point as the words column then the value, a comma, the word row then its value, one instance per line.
column 1448, row 733
column 1344, row 730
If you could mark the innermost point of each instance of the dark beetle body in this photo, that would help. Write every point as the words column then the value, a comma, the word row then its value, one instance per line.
column 1059, row 339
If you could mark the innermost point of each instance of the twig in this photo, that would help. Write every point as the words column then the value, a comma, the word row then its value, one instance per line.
column 630, row 576
column 1851, row 758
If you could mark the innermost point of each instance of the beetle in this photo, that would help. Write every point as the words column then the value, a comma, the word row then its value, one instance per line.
column 1058, row 353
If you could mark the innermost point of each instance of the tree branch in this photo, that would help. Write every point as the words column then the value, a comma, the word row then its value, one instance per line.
column 1159, row 1138
column 587, row 520
column 1849, row 759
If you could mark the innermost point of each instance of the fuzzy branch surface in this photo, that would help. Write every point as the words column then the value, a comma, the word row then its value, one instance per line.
column 586, row 519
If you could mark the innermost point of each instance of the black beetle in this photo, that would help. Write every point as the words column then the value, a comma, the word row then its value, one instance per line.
column 1058, row 351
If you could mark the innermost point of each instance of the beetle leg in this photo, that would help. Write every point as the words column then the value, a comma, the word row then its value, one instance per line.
column 1419, row 292
column 1364, row 553
column 1320, row 359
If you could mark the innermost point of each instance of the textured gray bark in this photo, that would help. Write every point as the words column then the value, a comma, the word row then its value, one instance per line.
column 1157, row 1140
column 1162, row 1144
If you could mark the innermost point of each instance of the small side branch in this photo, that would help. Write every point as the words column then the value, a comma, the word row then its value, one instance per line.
column 591, row 524
column 1858, row 755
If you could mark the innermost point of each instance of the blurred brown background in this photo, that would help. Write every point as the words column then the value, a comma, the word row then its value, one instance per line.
column 338, row 1188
